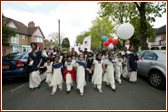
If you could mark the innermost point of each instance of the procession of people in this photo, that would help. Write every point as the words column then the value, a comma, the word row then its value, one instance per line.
column 70, row 67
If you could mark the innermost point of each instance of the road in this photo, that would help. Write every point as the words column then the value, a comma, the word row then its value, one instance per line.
column 140, row 96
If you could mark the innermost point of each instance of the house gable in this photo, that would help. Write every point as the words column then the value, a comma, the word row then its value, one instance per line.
column 38, row 33
column 12, row 25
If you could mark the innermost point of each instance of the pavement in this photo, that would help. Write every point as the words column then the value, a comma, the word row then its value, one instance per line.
column 16, row 95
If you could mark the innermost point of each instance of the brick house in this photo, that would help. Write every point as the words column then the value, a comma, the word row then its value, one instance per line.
column 25, row 35
column 158, row 42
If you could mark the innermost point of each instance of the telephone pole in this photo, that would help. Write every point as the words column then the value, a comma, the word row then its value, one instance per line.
column 59, row 30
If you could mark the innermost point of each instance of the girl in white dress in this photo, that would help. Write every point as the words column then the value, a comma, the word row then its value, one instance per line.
column 57, row 75
column 97, row 76
column 119, row 62
column 104, row 57
column 48, row 64
column 69, row 75
column 81, row 76
column 109, row 76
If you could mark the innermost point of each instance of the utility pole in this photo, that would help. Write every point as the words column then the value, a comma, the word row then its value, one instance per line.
column 59, row 30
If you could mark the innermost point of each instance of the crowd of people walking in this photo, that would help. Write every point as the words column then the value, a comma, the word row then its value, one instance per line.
column 107, row 66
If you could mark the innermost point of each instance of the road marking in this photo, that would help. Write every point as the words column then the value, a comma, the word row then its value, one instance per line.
column 17, row 88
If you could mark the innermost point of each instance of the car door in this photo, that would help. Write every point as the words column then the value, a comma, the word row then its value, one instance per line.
column 146, row 63
column 139, row 62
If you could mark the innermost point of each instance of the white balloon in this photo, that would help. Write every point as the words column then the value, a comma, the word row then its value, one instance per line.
column 125, row 31
column 111, row 46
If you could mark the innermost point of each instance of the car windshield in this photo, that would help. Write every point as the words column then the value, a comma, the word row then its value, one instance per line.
column 13, row 56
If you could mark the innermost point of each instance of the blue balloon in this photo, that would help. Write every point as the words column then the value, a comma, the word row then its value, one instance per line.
column 104, row 38
column 75, row 44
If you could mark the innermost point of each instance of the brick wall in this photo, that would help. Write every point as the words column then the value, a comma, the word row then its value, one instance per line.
column 31, row 39
column 23, row 41
column 7, row 48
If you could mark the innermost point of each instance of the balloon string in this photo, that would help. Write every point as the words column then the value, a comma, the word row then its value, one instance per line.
column 135, row 49
column 133, row 44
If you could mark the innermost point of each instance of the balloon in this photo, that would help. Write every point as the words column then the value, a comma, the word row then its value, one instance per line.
column 125, row 31
column 115, row 42
column 110, row 40
column 106, row 43
column 111, row 46
column 75, row 44
column 104, row 38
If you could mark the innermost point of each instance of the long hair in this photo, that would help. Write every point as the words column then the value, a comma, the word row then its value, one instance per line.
column 54, row 49
column 34, row 44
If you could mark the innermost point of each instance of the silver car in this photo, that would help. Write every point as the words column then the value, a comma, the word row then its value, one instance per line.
column 153, row 66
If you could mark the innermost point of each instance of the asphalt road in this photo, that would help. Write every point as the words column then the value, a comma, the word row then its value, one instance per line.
column 140, row 96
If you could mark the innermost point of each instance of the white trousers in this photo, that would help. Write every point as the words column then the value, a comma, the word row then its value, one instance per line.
column 69, row 86
column 99, row 86
column 49, row 84
column 118, row 76
column 125, row 72
column 55, row 87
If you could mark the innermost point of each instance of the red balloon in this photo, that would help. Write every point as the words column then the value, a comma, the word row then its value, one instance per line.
column 115, row 42
column 110, row 40
column 106, row 43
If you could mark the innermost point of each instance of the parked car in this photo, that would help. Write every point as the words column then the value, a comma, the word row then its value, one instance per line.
column 153, row 66
column 15, row 65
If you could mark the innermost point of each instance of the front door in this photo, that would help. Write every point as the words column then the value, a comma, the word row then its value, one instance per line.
column 4, row 52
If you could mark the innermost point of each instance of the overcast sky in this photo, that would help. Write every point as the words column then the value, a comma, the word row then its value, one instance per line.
column 75, row 17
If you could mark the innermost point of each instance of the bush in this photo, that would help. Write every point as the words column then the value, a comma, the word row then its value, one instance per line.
column 65, row 49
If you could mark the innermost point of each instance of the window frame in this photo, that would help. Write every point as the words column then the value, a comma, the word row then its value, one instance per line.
column 24, row 36
column 15, row 39
column 152, row 56
column 39, row 39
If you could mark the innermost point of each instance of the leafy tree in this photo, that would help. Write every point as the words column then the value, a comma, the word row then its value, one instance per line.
column 119, row 12
column 145, row 9
column 139, row 14
column 6, row 32
column 55, row 37
column 100, row 27
column 65, row 43
column 78, row 38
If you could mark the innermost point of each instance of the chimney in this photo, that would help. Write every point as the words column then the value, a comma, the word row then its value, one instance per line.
column 31, row 24
column 51, row 40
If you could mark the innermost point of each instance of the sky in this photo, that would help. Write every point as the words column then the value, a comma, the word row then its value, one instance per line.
column 75, row 17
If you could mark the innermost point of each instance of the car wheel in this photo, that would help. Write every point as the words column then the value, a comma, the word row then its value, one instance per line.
column 157, row 80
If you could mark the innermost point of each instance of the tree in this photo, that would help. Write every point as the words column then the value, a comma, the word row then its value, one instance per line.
column 55, row 37
column 138, row 13
column 119, row 12
column 78, row 38
column 65, row 43
column 145, row 9
column 6, row 32
column 119, row 45
column 100, row 27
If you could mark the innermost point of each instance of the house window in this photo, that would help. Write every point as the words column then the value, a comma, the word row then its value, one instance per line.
column 12, row 25
column 39, row 39
column 15, row 39
column 14, row 49
column 24, row 36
